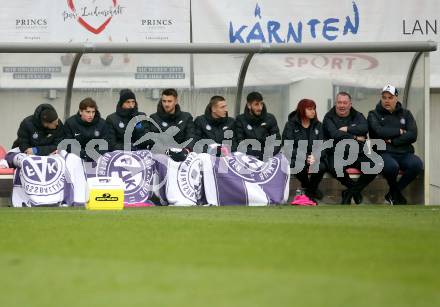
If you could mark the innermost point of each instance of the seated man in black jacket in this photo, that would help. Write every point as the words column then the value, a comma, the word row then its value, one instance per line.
column 126, row 110
column 256, row 124
column 398, row 128
column 40, row 134
column 343, row 122
column 84, row 126
column 216, row 126
column 168, row 116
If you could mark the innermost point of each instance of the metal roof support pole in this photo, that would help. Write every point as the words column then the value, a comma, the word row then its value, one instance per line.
column 70, row 80
column 409, row 77
column 179, row 48
column 240, row 83
column 427, row 185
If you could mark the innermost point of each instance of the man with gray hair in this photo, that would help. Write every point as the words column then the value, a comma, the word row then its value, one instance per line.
column 342, row 123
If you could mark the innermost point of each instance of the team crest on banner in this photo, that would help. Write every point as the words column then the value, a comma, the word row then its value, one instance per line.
column 189, row 178
column 43, row 175
column 134, row 168
column 251, row 169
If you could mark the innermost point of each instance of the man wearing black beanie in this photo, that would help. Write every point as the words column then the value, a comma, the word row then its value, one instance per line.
column 40, row 133
column 126, row 110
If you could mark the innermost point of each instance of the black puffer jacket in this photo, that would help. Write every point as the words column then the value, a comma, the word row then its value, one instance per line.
column 182, row 120
column 83, row 132
column 386, row 125
column 294, row 130
column 356, row 125
column 207, row 127
column 258, row 128
column 117, row 124
column 32, row 134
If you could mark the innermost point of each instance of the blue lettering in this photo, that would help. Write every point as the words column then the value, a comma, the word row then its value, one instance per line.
column 349, row 25
column 297, row 37
column 272, row 29
column 237, row 35
column 327, row 28
column 256, row 34
column 276, row 31
column 312, row 23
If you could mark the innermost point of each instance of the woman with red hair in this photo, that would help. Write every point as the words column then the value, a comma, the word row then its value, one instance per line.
column 300, row 132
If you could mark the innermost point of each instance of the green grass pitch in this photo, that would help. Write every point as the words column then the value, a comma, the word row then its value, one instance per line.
column 229, row 256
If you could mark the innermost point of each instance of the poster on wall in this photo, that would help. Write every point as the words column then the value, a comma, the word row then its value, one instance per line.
column 315, row 21
column 95, row 21
column 81, row 21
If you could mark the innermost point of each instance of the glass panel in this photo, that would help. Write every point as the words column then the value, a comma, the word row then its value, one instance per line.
column 27, row 80
column 284, row 79
column 101, row 76
column 215, row 74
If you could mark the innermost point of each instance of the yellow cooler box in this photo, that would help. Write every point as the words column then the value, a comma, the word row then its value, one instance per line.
column 106, row 193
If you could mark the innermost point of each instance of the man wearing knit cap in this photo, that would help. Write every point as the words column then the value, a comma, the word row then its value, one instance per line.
column 397, row 127
column 40, row 134
column 126, row 110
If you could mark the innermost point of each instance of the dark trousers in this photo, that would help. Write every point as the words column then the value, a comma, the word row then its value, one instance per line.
column 354, row 186
column 409, row 163
column 311, row 183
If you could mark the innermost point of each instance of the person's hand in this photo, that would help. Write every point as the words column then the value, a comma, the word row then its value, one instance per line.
column 344, row 129
column 388, row 141
column 29, row 151
column 218, row 150
column 402, row 131
column 310, row 159
column 361, row 138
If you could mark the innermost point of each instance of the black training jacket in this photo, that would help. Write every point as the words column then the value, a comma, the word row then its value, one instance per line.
column 117, row 124
column 31, row 133
column 248, row 126
column 386, row 125
column 294, row 130
column 183, row 121
column 83, row 132
column 356, row 124
column 207, row 127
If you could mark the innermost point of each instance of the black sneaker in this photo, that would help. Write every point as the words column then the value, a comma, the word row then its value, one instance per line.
column 389, row 198
column 395, row 198
column 357, row 197
column 400, row 199
column 317, row 194
column 346, row 197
